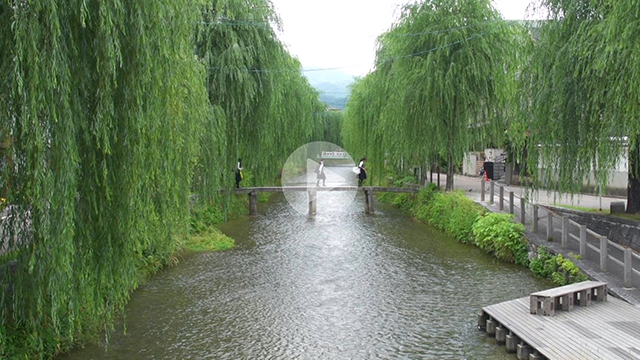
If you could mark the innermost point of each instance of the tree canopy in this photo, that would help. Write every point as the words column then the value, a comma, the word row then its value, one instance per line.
column 116, row 112
column 584, row 83
column 444, row 80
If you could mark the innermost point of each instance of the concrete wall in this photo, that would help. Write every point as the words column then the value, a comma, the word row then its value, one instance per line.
column 618, row 176
column 469, row 164
column 621, row 231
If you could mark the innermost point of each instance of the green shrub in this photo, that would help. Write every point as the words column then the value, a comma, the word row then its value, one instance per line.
column 403, row 201
column 452, row 212
column 423, row 201
column 499, row 235
column 211, row 239
column 425, row 195
column 559, row 269
column 404, row 181
column 204, row 216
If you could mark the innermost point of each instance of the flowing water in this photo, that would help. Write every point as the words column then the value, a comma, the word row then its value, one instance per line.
column 340, row 285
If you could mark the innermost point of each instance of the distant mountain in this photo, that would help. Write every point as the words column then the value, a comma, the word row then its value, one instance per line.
column 333, row 86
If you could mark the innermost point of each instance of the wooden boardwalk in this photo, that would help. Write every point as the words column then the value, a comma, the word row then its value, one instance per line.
column 604, row 330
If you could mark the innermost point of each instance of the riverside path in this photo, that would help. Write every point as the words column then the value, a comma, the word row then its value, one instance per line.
column 601, row 259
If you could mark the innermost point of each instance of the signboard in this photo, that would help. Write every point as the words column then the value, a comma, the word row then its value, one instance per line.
column 335, row 155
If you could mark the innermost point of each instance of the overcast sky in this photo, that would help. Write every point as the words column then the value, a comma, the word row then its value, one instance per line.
column 342, row 33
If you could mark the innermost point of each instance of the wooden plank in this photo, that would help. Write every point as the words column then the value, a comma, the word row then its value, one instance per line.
column 533, row 334
column 606, row 330
column 554, row 339
column 571, row 288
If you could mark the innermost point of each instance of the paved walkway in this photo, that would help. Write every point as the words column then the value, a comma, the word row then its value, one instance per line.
column 472, row 184
column 590, row 264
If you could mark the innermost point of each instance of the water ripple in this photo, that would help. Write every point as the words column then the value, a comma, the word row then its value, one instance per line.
column 342, row 285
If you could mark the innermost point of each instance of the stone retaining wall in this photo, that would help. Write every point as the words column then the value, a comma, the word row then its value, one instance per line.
column 622, row 231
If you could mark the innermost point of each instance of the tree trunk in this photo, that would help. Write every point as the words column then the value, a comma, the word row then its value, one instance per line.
column 450, row 169
column 633, row 188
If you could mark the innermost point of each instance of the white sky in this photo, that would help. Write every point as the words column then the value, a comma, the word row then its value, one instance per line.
column 342, row 33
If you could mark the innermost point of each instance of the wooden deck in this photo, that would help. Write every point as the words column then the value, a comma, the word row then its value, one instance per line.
column 604, row 330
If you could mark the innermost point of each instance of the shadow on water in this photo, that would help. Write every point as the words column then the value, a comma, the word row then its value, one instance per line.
column 340, row 285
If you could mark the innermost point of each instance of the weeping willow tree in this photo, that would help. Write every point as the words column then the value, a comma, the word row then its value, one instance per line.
column 585, row 84
column 444, row 79
column 99, row 99
column 265, row 105
column 328, row 127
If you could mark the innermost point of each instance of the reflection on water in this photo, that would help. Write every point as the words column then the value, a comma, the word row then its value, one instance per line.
column 340, row 285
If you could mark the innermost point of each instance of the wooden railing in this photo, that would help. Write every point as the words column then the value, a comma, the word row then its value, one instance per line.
column 569, row 230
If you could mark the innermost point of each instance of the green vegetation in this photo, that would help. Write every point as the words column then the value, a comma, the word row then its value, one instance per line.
column 582, row 88
column 257, row 93
column 444, row 81
column 204, row 216
column 495, row 233
column 499, row 235
column 204, row 236
column 114, row 113
column 210, row 239
column 583, row 209
column 560, row 270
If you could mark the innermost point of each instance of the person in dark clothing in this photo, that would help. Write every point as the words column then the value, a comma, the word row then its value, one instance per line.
column 362, row 175
column 239, row 173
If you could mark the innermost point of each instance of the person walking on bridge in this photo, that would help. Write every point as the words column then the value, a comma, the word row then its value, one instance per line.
column 238, row 173
column 320, row 174
column 362, row 175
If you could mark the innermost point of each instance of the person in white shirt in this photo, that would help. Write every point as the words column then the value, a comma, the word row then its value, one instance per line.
column 320, row 174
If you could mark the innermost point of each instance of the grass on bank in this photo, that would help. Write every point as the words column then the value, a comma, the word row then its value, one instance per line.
column 204, row 235
column 495, row 233
column 606, row 212
column 210, row 239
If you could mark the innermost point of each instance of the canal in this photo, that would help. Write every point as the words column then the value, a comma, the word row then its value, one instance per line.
column 340, row 285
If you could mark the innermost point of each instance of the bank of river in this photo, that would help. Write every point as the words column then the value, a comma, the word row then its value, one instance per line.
column 342, row 285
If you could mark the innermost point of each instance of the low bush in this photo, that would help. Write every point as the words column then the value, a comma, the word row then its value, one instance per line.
column 204, row 216
column 452, row 212
column 211, row 239
column 405, row 181
column 498, row 234
column 559, row 269
column 403, row 201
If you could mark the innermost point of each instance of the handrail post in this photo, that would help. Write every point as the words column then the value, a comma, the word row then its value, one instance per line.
column 491, row 192
column 583, row 241
column 603, row 253
column 523, row 213
column 535, row 218
column 501, row 198
column 253, row 202
column 628, row 267
column 565, row 231
column 549, row 225
column 510, row 202
column 481, row 188
column 366, row 201
column 312, row 202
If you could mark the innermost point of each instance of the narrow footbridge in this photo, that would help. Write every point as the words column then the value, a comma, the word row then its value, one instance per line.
column 313, row 190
